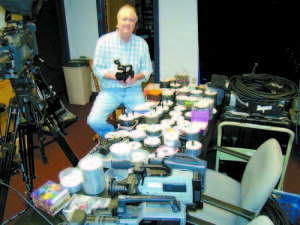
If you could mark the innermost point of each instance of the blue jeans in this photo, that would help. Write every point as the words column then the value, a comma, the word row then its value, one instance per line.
column 107, row 101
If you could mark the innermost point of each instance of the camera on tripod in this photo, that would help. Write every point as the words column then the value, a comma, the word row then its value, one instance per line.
column 126, row 71
column 17, row 51
column 18, row 48
column 35, row 106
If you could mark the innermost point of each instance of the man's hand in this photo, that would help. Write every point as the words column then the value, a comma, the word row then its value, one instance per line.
column 130, row 81
column 120, row 75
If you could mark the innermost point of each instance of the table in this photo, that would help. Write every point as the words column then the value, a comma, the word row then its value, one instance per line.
column 31, row 217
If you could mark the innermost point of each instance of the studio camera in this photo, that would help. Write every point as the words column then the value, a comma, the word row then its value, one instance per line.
column 18, row 48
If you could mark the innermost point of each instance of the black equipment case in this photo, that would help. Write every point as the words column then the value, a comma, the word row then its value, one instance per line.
column 250, row 138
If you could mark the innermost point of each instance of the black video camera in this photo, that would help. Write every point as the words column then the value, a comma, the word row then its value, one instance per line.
column 126, row 71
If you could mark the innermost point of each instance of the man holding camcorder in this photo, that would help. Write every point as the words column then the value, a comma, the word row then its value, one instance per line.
column 121, row 63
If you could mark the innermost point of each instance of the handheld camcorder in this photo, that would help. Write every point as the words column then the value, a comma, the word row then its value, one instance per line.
column 126, row 71
column 180, row 175
column 131, row 210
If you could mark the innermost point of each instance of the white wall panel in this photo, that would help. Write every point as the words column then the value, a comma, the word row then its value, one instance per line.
column 82, row 27
column 178, row 38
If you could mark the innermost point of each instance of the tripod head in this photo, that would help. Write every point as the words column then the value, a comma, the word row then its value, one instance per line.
column 24, row 85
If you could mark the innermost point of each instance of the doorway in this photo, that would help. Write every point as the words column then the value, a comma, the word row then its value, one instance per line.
column 145, row 27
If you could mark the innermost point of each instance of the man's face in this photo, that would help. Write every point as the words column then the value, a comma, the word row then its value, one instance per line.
column 126, row 22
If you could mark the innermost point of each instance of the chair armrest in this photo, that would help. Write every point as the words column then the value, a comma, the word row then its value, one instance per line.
column 249, row 215
column 230, row 152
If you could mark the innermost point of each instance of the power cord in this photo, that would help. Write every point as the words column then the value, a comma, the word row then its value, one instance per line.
column 6, row 185
column 263, row 88
column 275, row 212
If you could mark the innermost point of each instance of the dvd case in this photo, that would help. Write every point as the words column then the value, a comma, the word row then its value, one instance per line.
column 51, row 197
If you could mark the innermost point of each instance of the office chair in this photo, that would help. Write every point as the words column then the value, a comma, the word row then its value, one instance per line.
column 227, row 201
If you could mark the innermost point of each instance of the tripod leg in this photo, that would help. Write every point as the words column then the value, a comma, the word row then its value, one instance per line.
column 41, row 138
column 26, row 157
column 10, row 113
column 8, row 152
column 30, row 158
column 22, row 150
column 57, row 134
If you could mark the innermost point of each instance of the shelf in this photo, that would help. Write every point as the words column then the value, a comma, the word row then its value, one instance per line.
column 144, row 11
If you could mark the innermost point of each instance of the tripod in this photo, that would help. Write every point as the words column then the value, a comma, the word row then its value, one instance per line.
column 28, row 112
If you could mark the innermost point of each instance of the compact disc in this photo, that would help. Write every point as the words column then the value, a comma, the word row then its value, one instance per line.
column 171, row 139
column 137, row 135
column 164, row 108
column 178, row 118
column 159, row 110
column 152, row 142
column 164, row 151
column 141, row 109
column 123, row 133
column 179, row 108
column 183, row 123
column 168, row 103
column 71, row 178
column 196, row 93
column 135, row 145
column 193, row 148
column 175, row 113
column 151, row 117
column 192, row 132
column 188, row 115
column 127, row 120
column 116, row 174
column 181, row 99
column 139, row 156
column 112, row 135
column 175, row 85
column 167, row 122
column 192, row 99
column 120, row 150
column 183, row 91
column 154, row 130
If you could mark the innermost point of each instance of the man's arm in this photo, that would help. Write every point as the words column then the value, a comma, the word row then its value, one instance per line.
column 99, row 62
column 136, row 77
column 146, row 64
column 146, row 68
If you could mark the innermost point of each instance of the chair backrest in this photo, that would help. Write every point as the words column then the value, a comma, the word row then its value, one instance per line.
column 261, row 176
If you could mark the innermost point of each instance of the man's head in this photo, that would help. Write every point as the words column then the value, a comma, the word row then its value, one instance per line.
column 127, row 19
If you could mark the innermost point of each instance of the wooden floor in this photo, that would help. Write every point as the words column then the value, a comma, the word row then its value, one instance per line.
column 79, row 137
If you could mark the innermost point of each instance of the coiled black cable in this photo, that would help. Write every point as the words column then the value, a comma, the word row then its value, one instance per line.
column 262, row 88
column 274, row 212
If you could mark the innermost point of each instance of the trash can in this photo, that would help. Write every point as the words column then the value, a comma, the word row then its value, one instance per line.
column 78, row 81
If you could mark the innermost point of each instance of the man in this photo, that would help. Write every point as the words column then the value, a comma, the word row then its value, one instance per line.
column 129, row 49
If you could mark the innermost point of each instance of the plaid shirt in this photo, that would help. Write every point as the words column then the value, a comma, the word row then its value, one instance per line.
column 110, row 47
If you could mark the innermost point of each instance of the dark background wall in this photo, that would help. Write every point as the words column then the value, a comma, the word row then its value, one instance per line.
column 52, row 43
column 234, row 34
